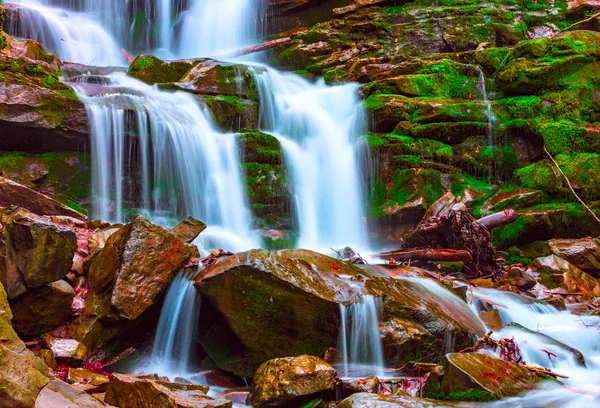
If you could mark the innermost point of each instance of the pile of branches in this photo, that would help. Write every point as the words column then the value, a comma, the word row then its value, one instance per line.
column 458, row 230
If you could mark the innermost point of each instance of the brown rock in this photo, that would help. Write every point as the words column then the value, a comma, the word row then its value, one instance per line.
column 354, row 385
column 188, row 230
column 42, row 309
column 83, row 376
column 492, row 319
column 47, row 357
column 364, row 399
column 517, row 277
column 584, row 253
column 36, row 251
column 22, row 374
column 66, row 351
column 467, row 371
column 59, row 394
column 555, row 272
column 134, row 392
column 280, row 380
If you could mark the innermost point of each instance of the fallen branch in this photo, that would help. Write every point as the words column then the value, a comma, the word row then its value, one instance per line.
column 545, row 371
column 258, row 48
column 499, row 219
column 571, row 187
column 580, row 22
column 441, row 255
column 127, row 55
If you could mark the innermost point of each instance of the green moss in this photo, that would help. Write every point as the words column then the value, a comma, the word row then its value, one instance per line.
column 539, row 176
column 260, row 147
column 472, row 394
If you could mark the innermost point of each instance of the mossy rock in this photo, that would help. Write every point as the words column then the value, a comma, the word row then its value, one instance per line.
column 270, row 194
column 152, row 70
column 232, row 113
column 212, row 77
column 260, row 147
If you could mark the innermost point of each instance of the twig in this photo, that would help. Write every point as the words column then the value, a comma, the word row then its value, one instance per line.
column 361, row 258
column 571, row 187
column 337, row 252
column 580, row 22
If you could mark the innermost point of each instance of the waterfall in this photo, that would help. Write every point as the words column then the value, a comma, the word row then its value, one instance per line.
column 318, row 127
column 185, row 166
column 173, row 349
column 214, row 27
column 73, row 36
column 359, row 339
column 489, row 114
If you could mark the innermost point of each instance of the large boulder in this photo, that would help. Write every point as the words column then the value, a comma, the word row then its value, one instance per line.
column 42, row 309
column 126, row 278
column 22, row 374
column 127, row 391
column 261, row 305
column 584, row 253
column 555, row 273
column 35, row 252
column 35, row 105
column 280, row 380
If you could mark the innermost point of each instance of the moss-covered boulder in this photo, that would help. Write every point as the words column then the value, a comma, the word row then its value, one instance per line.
column 364, row 399
column 261, row 305
column 152, row 70
column 232, row 113
column 44, row 113
column 22, row 374
column 220, row 78
column 281, row 380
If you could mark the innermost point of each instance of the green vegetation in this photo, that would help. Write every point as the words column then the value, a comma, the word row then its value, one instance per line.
column 473, row 395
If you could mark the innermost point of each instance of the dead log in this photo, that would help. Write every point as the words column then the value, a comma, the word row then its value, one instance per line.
column 499, row 219
column 258, row 48
column 431, row 255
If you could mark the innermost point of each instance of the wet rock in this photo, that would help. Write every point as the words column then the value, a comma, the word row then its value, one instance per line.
column 45, row 113
column 518, row 278
column 484, row 375
column 220, row 78
column 42, row 309
column 66, row 351
column 126, row 278
column 152, row 70
column 283, row 379
column 515, row 199
column 22, row 374
column 363, row 399
column 353, row 386
column 584, row 253
column 83, row 376
column 130, row 391
column 59, row 394
column 402, row 339
column 232, row 113
column 294, row 293
column 188, row 230
column 555, row 273
column 492, row 319
column 36, row 251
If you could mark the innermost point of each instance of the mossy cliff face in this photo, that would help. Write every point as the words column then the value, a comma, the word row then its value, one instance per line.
column 44, row 113
column 424, row 68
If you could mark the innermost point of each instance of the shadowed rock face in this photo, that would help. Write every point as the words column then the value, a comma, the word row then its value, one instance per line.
column 260, row 305
column 22, row 374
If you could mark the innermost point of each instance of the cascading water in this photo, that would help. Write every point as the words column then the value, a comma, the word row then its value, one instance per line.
column 318, row 128
column 172, row 353
column 489, row 114
column 549, row 338
column 360, row 341
column 73, row 36
column 216, row 27
column 186, row 166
